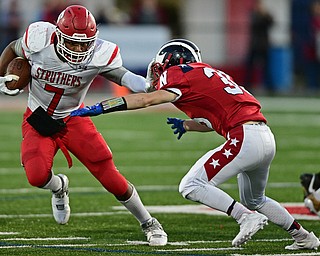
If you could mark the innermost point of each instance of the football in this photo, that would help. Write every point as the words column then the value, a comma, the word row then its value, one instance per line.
column 20, row 71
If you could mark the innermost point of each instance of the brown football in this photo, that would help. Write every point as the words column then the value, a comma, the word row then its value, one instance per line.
column 20, row 71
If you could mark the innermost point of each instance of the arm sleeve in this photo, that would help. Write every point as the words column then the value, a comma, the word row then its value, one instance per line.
column 124, row 77
column 115, row 75
column 135, row 83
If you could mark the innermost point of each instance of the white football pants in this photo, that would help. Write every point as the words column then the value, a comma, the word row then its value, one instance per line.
column 247, row 153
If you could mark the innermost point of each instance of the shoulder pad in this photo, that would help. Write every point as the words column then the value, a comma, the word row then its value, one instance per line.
column 185, row 68
column 38, row 36
column 107, row 53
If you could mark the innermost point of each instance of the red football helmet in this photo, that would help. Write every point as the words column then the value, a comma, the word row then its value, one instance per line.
column 76, row 25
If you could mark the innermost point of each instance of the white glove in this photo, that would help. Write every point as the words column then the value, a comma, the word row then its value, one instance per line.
column 4, row 89
column 150, row 77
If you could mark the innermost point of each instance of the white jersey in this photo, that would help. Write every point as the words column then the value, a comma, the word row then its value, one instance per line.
column 56, row 86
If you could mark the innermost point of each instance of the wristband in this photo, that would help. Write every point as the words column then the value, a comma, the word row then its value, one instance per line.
column 114, row 104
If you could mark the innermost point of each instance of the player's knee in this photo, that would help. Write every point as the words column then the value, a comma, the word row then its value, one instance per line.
column 38, row 180
column 112, row 180
column 37, row 173
column 183, row 191
column 118, row 187
column 188, row 187
column 253, row 203
column 185, row 187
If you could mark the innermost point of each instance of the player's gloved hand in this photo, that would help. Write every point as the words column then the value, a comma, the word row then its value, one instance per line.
column 4, row 89
column 150, row 79
column 177, row 126
column 94, row 110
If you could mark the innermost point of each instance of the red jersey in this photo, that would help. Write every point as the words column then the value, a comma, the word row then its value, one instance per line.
column 210, row 96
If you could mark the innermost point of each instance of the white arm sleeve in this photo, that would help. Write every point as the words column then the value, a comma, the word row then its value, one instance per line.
column 135, row 83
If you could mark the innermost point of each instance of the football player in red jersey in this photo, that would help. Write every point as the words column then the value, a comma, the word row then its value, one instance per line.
column 214, row 102
column 65, row 58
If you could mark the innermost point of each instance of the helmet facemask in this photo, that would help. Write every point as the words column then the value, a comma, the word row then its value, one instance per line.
column 75, row 57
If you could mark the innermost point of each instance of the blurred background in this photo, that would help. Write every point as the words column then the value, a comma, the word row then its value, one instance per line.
column 271, row 47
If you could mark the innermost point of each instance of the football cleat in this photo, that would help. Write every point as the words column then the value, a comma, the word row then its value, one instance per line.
column 311, row 242
column 250, row 223
column 60, row 202
column 311, row 191
column 154, row 232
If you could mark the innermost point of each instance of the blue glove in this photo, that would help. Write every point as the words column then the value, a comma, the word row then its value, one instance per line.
column 177, row 124
column 88, row 111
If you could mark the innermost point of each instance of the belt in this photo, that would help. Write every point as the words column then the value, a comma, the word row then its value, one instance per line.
column 255, row 123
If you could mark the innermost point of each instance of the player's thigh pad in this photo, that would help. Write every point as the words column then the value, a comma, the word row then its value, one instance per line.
column 37, row 154
column 89, row 146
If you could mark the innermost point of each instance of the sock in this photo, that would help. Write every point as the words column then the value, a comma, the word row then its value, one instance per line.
column 297, row 231
column 237, row 210
column 136, row 207
column 54, row 184
column 276, row 213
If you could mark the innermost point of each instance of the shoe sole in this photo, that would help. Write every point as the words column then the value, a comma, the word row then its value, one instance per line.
column 158, row 243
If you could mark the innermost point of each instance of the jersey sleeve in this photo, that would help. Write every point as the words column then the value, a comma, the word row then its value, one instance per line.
column 173, row 80
column 107, row 56
column 36, row 37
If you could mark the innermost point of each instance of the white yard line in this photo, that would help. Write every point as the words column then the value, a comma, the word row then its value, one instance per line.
column 46, row 238
column 285, row 254
column 139, row 188
column 186, row 209
column 182, row 244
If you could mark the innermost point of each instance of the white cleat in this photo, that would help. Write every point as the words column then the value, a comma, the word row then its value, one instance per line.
column 60, row 202
column 154, row 233
column 311, row 242
column 250, row 223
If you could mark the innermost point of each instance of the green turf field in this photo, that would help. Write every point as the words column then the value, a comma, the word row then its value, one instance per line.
column 149, row 155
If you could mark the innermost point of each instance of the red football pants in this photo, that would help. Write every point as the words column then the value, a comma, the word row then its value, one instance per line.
column 83, row 140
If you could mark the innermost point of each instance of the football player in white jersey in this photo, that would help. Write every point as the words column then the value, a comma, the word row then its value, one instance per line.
column 65, row 58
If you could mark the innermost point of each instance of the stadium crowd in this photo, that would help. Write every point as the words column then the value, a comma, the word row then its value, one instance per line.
column 304, row 29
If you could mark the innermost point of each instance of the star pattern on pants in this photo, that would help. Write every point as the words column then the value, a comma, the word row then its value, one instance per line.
column 215, row 163
column 227, row 153
column 234, row 142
